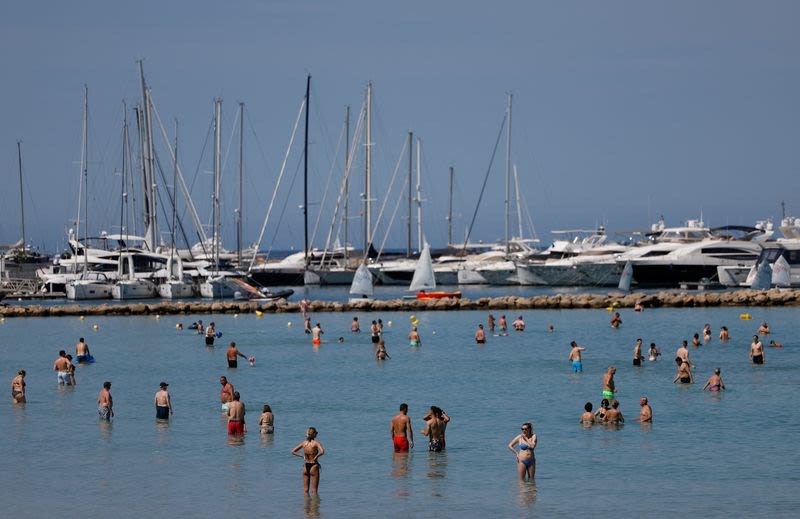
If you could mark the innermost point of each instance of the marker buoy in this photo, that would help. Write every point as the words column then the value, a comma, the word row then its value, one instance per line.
column 83, row 318
column 259, row 314
column 95, row 327
column 745, row 317
column 289, row 324
column 389, row 324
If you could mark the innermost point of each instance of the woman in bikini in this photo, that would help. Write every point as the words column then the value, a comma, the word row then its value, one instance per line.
column 267, row 420
column 312, row 450
column 684, row 374
column 714, row 383
column 526, row 461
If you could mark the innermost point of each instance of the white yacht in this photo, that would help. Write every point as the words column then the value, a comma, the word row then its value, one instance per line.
column 787, row 248
column 91, row 285
column 176, row 284
column 136, row 275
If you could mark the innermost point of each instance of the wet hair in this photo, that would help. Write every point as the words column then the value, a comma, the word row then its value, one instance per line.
column 604, row 402
column 573, row 344
column 697, row 336
column 374, row 322
column 639, row 340
column 267, row 408
column 724, row 328
column 21, row 372
column 480, row 326
column 69, row 357
column 404, row 406
column 588, row 407
column 355, row 318
column 614, row 403
column 528, row 425
column 684, row 343
column 107, row 384
column 212, row 323
column 678, row 361
column 652, row 345
column 80, row 340
column 717, row 371
column 236, row 395
column 233, row 344
column 62, row 353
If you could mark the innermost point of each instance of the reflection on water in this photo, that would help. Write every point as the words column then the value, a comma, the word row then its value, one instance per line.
column 646, row 426
column 266, row 440
column 311, row 506
column 527, row 494
column 401, row 472
column 105, row 427
column 161, row 426
column 235, row 440
column 437, row 471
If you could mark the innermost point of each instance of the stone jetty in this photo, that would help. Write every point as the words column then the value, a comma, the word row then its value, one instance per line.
column 666, row 299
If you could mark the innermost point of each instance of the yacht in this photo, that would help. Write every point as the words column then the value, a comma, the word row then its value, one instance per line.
column 176, row 284
column 136, row 274
column 787, row 248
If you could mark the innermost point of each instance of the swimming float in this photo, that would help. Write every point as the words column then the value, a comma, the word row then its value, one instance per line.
column 745, row 317
column 259, row 314
column 219, row 334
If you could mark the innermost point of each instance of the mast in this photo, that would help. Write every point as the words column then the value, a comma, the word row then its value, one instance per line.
column 419, row 194
column 508, row 169
column 174, row 203
column 21, row 197
column 410, row 196
column 123, row 195
column 368, row 175
column 305, row 173
column 450, row 210
column 347, row 178
column 85, row 167
column 519, row 207
column 241, row 195
column 146, row 139
column 217, row 173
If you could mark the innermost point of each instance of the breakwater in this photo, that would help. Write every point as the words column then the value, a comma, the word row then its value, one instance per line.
column 670, row 299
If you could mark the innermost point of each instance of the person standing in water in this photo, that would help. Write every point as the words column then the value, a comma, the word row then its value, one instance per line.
column 614, row 415
column 71, row 369
column 616, row 320
column 304, row 307
column 105, row 404
column 526, row 460
column 316, row 333
column 637, row 353
column 374, row 336
column 646, row 414
column 608, row 383
column 18, row 388
column 503, row 325
column 400, row 428
column 653, row 353
column 236, row 412
column 480, row 335
column 519, row 324
column 763, row 329
column 683, row 354
column 232, row 355
column 575, row 357
column 381, row 353
column 434, row 429
column 81, row 352
column 413, row 338
column 490, row 323
column 714, row 383
column 266, row 421
column 600, row 414
column 211, row 333
column 200, row 329
column 61, row 366
column 307, row 325
column 724, row 334
column 312, row 451
column 587, row 418
column 706, row 332
column 226, row 394
column 354, row 326
column 163, row 402
column 684, row 373
column 757, row 351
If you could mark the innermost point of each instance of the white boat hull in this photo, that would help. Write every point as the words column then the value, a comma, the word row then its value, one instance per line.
column 219, row 288
column 133, row 289
column 467, row 276
column 175, row 290
column 337, row 276
column 81, row 290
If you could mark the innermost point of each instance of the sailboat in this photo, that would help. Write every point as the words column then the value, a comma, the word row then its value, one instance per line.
column 424, row 281
column 361, row 289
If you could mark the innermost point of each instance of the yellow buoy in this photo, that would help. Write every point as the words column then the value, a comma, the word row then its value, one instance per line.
column 259, row 314
column 610, row 309
column 745, row 317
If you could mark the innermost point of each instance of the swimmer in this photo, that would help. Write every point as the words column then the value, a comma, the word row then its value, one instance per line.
column 696, row 340
column 646, row 414
column 653, row 353
column 373, row 332
column 316, row 332
column 682, row 354
column 608, row 383
column 61, row 366
column 105, row 404
column 616, row 320
column 380, row 327
column 236, row 412
column 233, row 354
column 226, row 394
column 551, row 328
column 211, row 333
column 307, row 325
column 614, row 415
column 684, row 373
column 503, row 325
column 401, row 431
column 71, row 369
column 526, row 460
column 354, row 326
column 304, row 308
column 434, row 429
column 575, row 357
column 163, row 402
column 340, row 340
column 763, row 329
column 480, row 335
column 773, row 344
column 18, row 388
column 724, row 335
column 757, row 351
column 312, row 450
column 199, row 327
column 714, row 383
column 381, row 354
column 490, row 322
column 600, row 414
column 637, row 353
column 587, row 418
column 179, row 326
column 266, row 421
column 706, row 332
column 519, row 324
column 81, row 351
column 637, row 307
column 413, row 338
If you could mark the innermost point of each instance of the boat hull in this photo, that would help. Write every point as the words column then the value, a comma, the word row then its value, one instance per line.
column 438, row 295
column 88, row 290
column 134, row 289
column 175, row 290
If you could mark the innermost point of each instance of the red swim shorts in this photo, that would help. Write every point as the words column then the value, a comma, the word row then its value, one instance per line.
column 400, row 444
column 236, row 428
column 316, row 342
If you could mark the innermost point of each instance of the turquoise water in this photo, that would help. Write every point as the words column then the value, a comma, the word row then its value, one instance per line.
column 705, row 454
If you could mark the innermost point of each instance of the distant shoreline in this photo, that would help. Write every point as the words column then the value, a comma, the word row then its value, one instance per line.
column 611, row 301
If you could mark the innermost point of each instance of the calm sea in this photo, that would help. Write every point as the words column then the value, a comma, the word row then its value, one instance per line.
column 704, row 455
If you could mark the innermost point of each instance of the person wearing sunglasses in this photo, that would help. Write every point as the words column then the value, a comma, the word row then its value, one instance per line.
column 526, row 460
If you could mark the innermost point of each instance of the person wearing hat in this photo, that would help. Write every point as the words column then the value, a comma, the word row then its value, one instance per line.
column 163, row 403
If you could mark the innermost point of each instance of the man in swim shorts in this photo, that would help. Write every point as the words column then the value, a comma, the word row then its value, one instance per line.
column 646, row 414
column 81, row 352
column 608, row 383
column 400, row 428
column 211, row 333
column 682, row 354
column 61, row 367
column 236, row 412
column 480, row 335
column 413, row 338
column 757, row 351
column 354, row 326
column 316, row 332
column 226, row 394
column 163, row 402
column 575, row 357
column 637, row 353
column 434, row 430
column 519, row 324
column 105, row 404
column 232, row 354
column 375, row 336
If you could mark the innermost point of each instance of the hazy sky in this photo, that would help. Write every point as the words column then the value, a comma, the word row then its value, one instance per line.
column 623, row 110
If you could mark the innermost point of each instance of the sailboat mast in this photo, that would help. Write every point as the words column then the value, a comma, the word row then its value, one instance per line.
column 174, row 203
column 419, row 194
column 519, row 206
column 368, row 175
column 85, row 166
column 217, row 174
column 123, row 229
column 508, row 170
column 410, row 189
column 450, row 210
column 305, row 173
column 21, row 197
column 241, row 195
column 347, row 178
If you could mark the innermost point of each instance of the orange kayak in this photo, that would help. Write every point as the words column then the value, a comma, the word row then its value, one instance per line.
column 438, row 295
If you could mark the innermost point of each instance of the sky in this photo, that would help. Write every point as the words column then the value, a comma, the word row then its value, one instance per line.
column 622, row 110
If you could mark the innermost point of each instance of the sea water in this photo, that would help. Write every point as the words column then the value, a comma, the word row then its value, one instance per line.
column 730, row 453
